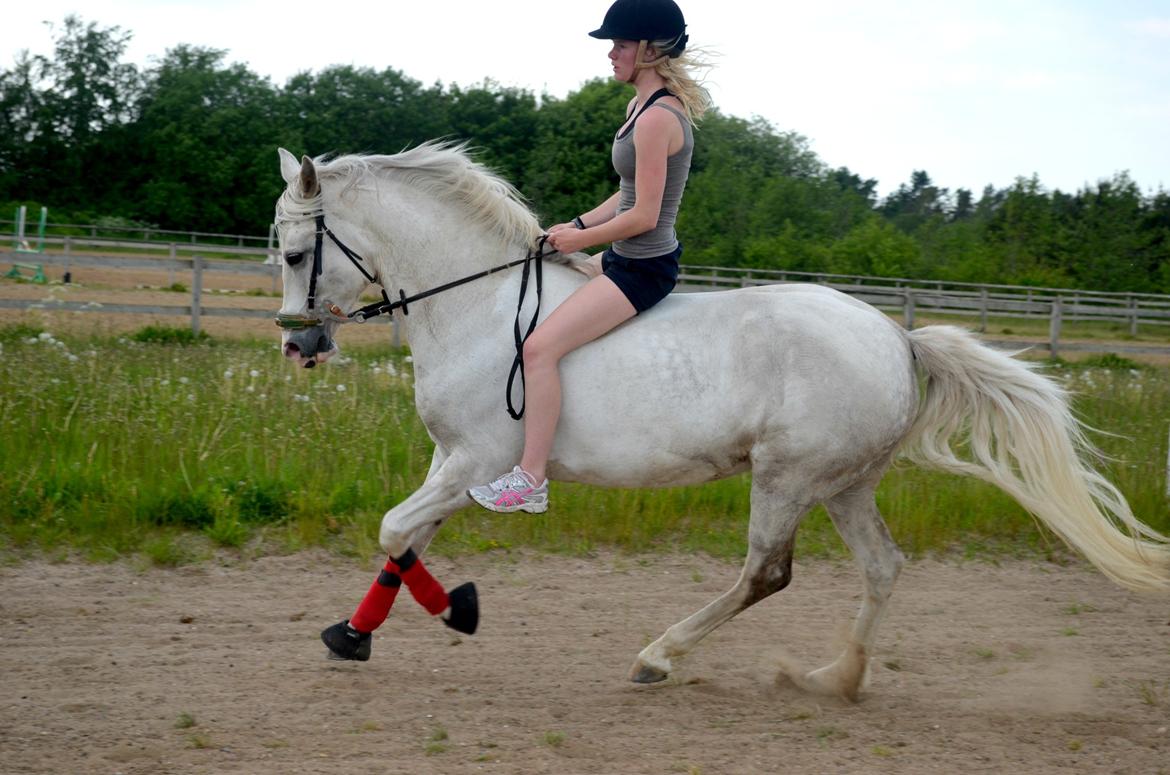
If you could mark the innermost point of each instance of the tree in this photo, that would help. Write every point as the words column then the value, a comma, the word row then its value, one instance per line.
column 207, row 140
column 1108, row 247
column 499, row 123
column 569, row 171
column 59, row 110
column 345, row 109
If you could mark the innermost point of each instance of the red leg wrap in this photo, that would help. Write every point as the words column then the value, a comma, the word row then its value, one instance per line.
column 375, row 606
column 423, row 587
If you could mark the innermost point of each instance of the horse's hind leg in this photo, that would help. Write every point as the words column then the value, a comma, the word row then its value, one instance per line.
column 860, row 524
column 767, row 569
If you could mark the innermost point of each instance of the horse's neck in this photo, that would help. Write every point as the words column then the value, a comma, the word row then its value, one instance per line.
column 422, row 243
column 450, row 323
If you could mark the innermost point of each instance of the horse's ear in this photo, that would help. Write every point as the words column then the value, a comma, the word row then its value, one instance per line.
column 310, row 186
column 289, row 168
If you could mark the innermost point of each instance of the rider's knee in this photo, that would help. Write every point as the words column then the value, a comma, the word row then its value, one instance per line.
column 538, row 352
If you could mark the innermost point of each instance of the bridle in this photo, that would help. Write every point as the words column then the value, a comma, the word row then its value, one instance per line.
column 334, row 313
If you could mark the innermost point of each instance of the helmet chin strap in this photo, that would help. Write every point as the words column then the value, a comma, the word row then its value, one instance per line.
column 639, row 64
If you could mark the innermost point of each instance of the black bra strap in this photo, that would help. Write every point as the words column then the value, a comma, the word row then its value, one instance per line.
column 653, row 98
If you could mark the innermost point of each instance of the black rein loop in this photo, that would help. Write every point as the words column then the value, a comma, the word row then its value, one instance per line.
column 518, row 362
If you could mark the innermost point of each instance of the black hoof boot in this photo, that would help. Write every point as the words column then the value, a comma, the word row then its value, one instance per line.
column 464, row 604
column 345, row 642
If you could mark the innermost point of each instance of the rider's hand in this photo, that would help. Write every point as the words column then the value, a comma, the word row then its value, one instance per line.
column 570, row 240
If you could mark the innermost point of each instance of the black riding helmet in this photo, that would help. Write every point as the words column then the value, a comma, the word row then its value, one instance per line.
column 645, row 20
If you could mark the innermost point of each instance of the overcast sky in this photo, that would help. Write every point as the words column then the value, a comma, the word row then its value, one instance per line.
column 975, row 92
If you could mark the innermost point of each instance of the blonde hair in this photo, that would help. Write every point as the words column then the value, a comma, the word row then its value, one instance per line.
column 683, row 75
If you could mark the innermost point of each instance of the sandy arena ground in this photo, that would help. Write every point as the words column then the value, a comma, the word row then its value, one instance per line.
column 1016, row 667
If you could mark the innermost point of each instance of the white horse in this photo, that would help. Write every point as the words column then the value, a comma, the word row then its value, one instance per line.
column 810, row 390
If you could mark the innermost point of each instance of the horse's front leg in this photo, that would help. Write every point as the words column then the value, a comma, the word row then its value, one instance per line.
column 406, row 531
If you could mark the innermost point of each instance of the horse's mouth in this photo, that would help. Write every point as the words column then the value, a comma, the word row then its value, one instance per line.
column 322, row 350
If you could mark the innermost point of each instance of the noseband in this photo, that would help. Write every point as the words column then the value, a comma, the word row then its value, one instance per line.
column 334, row 313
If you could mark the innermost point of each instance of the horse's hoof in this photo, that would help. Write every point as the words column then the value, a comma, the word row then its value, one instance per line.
column 464, row 604
column 346, row 643
column 644, row 674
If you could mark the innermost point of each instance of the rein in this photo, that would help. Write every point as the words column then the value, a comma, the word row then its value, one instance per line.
column 386, row 306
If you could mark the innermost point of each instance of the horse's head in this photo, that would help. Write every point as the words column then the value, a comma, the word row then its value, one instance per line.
column 319, row 283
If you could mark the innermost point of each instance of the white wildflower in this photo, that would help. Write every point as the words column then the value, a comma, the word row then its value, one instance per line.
column 45, row 336
column 250, row 389
column 302, row 399
column 228, row 374
column 253, row 374
column 341, row 388
column 409, row 359
column 183, row 380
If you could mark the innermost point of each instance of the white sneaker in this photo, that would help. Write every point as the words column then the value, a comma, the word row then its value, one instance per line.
column 514, row 491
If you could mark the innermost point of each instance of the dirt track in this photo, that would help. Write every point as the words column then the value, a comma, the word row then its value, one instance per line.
column 1018, row 667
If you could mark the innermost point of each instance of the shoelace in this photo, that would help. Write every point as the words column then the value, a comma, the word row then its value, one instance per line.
column 513, row 480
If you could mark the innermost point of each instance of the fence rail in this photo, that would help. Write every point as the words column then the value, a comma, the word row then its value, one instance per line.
column 908, row 296
column 150, row 234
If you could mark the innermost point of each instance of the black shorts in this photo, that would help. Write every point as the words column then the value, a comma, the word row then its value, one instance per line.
column 644, row 281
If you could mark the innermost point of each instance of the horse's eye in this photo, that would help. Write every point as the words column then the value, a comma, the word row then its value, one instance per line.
column 292, row 259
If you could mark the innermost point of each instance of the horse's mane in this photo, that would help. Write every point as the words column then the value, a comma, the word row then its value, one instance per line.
column 443, row 169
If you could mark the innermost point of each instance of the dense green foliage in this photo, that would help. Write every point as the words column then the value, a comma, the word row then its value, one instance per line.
column 156, row 445
column 189, row 143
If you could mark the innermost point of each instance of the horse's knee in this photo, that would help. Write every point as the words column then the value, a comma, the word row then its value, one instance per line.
column 393, row 539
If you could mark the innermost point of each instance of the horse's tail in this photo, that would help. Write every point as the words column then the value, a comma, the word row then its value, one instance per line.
column 1023, row 438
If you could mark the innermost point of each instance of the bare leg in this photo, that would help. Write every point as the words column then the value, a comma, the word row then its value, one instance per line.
column 767, row 569
column 594, row 309
column 857, row 519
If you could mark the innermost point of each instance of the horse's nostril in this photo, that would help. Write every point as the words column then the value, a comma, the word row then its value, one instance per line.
column 322, row 343
column 291, row 348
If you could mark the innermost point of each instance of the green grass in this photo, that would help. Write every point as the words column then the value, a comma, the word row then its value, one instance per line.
column 167, row 448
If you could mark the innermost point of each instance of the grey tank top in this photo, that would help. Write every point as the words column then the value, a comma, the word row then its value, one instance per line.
column 661, row 240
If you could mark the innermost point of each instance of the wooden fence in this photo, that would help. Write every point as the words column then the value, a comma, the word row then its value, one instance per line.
column 908, row 296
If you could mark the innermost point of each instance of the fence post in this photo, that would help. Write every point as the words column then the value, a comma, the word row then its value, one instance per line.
column 196, row 292
column 171, row 271
column 983, row 310
column 67, row 248
column 908, row 309
column 1133, row 314
column 746, row 280
column 1054, row 328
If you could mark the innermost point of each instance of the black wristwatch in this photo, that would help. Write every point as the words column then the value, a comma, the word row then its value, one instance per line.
column 580, row 224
